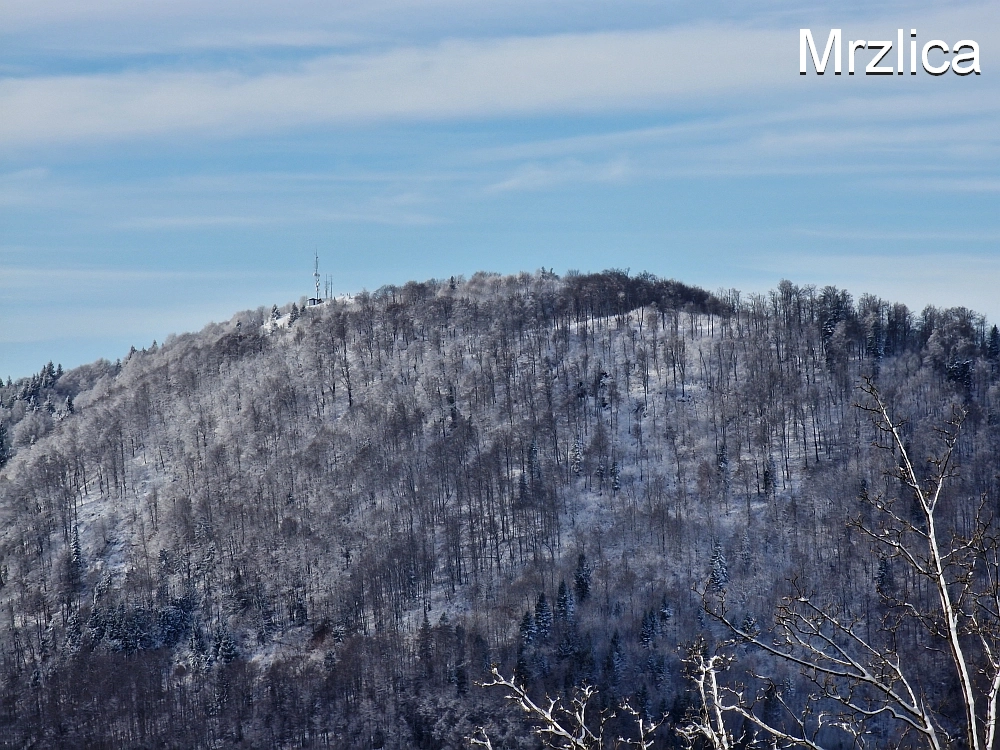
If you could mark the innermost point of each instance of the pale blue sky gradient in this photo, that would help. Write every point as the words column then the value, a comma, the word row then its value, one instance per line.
column 166, row 164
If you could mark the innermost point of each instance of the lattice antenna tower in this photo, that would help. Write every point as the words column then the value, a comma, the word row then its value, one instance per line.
column 316, row 274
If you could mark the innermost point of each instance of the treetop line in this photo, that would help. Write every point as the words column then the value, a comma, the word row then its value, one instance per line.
column 966, row 53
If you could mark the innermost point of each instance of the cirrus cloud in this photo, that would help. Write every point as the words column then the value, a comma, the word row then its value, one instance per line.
column 570, row 73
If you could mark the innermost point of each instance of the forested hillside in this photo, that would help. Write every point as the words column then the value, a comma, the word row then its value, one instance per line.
column 319, row 527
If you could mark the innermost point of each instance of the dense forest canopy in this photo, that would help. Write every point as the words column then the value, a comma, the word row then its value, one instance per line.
column 320, row 526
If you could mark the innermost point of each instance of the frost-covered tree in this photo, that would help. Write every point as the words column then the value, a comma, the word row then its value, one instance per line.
column 576, row 457
column 864, row 677
column 565, row 603
column 314, row 490
column 543, row 616
column 649, row 629
column 718, row 575
column 528, row 628
column 4, row 444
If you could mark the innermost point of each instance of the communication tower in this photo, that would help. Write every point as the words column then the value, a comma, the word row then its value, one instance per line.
column 317, row 299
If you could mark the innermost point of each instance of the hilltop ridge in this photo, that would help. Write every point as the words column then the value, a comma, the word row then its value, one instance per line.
column 321, row 526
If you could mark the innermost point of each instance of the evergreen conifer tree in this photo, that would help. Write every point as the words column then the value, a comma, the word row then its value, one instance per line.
column 543, row 617
column 48, row 375
column 750, row 626
column 666, row 610
column 521, row 671
column 746, row 549
column 885, row 582
column 648, row 631
column 225, row 646
column 565, row 605
column 615, row 664
column 425, row 646
column 581, row 579
column 719, row 575
column 528, row 628
column 643, row 703
column 76, row 567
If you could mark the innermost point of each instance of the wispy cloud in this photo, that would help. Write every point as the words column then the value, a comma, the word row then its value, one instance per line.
column 20, row 277
column 196, row 222
column 898, row 235
column 20, row 176
column 815, row 136
column 536, row 177
column 398, row 209
column 257, row 39
column 661, row 69
column 505, row 77
column 968, row 184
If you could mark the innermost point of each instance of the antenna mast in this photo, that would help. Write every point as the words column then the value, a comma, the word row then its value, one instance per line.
column 316, row 275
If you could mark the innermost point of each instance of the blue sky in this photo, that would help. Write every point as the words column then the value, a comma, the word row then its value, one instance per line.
column 167, row 163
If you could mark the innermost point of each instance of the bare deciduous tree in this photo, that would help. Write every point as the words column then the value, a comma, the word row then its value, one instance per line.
column 860, row 677
column 566, row 728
